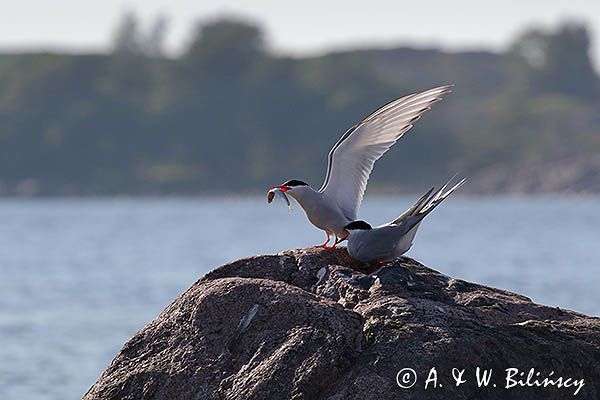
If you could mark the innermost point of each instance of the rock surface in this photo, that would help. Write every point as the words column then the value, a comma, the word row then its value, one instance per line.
column 310, row 324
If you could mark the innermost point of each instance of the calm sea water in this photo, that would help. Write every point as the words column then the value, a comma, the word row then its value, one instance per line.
column 79, row 277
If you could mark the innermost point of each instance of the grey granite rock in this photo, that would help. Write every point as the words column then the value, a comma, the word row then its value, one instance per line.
column 311, row 324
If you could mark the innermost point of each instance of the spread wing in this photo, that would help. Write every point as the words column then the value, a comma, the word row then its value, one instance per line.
column 351, row 159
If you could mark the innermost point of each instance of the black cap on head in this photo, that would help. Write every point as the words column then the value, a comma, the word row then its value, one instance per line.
column 294, row 182
column 362, row 225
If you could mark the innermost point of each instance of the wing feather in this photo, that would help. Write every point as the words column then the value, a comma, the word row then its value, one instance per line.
column 351, row 159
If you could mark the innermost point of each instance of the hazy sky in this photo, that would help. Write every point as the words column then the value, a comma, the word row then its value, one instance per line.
column 300, row 27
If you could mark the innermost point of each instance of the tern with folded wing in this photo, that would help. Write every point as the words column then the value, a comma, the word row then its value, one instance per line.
column 391, row 240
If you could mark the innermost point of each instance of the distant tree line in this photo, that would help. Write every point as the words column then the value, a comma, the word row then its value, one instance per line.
column 228, row 115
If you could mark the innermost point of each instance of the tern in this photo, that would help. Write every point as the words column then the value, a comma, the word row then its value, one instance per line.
column 351, row 161
column 391, row 240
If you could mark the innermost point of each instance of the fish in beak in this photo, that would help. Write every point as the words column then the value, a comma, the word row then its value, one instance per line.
column 279, row 191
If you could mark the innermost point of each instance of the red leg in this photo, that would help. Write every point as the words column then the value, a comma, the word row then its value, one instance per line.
column 324, row 245
column 335, row 242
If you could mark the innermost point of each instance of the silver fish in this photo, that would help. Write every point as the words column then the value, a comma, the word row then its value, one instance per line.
column 280, row 193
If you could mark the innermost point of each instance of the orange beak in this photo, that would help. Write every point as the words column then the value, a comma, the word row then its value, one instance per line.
column 282, row 188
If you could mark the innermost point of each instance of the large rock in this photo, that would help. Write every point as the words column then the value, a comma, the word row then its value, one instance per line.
column 310, row 324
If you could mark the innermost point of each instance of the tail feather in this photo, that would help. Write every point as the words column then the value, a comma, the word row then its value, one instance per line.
column 442, row 195
column 427, row 204
column 440, row 192
column 414, row 208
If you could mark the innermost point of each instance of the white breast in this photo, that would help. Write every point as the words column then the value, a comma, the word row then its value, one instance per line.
column 321, row 211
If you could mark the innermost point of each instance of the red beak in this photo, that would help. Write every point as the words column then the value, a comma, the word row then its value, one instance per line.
column 282, row 188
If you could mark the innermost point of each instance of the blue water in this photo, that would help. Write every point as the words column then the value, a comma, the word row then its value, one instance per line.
column 79, row 277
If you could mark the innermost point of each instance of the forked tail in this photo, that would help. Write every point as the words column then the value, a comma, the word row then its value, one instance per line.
column 430, row 200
